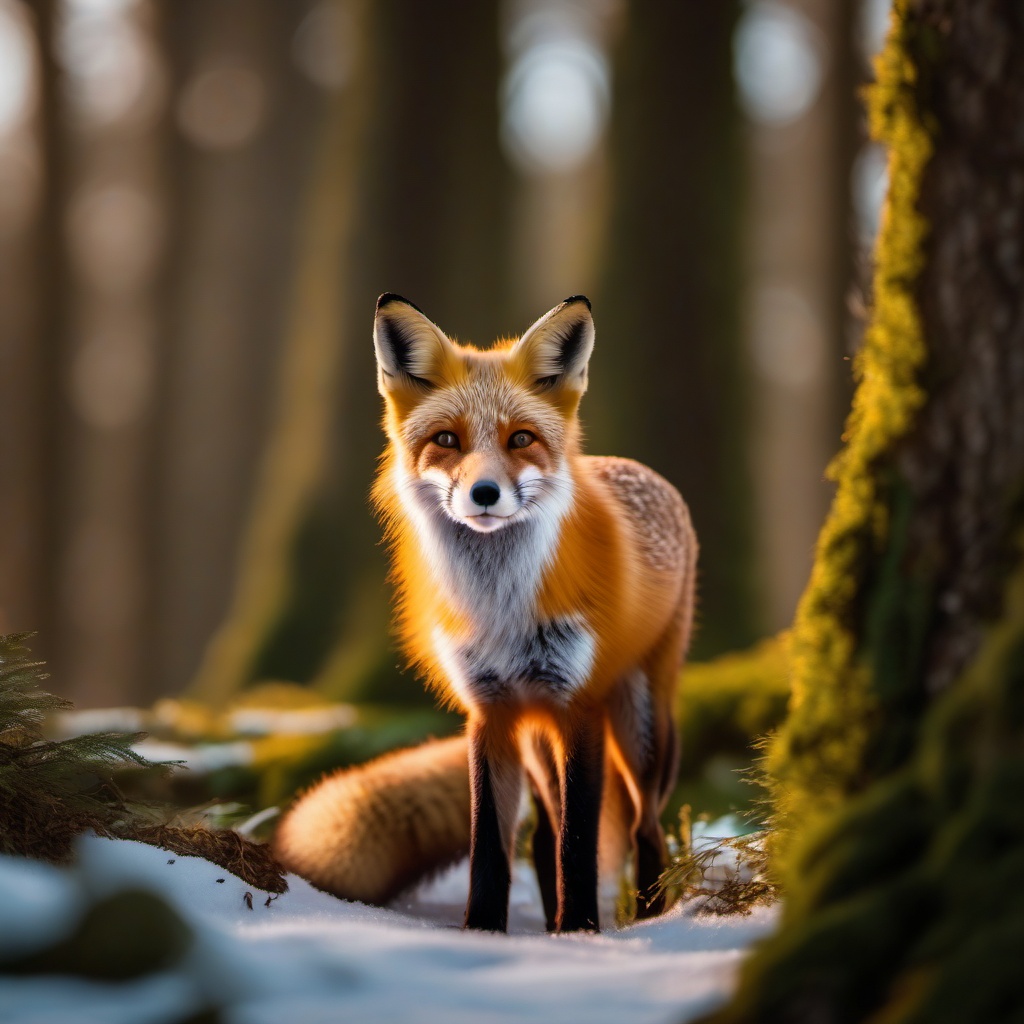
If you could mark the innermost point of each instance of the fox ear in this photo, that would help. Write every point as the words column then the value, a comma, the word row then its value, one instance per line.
column 411, row 350
column 557, row 347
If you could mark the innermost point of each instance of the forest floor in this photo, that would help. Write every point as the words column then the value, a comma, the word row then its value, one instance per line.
column 307, row 957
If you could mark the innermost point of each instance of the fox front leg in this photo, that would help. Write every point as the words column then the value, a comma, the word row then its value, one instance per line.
column 495, row 779
column 581, row 812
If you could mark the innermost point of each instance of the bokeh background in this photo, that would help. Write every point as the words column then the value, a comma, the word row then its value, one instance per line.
column 201, row 199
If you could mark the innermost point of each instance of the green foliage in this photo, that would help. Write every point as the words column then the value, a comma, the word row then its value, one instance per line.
column 280, row 762
column 285, row 764
column 52, row 790
column 817, row 758
column 724, row 707
column 919, row 875
column 727, row 704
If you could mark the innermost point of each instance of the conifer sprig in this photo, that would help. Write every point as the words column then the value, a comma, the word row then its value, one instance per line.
column 51, row 791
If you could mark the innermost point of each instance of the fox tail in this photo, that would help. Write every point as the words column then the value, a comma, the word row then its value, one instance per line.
column 367, row 833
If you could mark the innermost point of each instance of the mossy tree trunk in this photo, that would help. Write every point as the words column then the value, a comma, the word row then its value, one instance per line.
column 898, row 774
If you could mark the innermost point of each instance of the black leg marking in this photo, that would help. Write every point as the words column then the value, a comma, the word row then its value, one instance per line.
column 669, row 762
column 651, row 860
column 489, row 873
column 581, row 812
column 544, row 862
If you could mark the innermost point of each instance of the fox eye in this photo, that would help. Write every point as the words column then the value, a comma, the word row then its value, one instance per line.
column 521, row 439
column 446, row 439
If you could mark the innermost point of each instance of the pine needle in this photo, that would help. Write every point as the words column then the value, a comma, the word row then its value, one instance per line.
column 51, row 791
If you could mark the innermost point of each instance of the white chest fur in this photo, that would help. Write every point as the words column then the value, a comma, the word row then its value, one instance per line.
column 507, row 650
column 548, row 663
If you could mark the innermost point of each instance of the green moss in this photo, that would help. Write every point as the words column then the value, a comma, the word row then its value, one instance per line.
column 284, row 764
column 120, row 938
column 911, row 911
column 52, row 791
column 817, row 758
column 724, row 706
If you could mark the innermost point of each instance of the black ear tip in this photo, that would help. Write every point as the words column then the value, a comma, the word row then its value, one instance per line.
column 388, row 297
column 578, row 298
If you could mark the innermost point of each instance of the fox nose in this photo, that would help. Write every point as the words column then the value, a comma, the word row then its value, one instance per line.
column 485, row 492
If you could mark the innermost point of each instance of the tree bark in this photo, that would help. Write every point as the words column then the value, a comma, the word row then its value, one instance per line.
column 897, row 776
column 50, row 289
column 296, row 459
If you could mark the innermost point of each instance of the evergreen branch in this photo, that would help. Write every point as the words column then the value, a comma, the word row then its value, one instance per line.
column 54, row 790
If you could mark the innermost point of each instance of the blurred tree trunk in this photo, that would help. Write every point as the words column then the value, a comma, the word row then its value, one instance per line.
column 898, row 775
column 798, row 263
column 32, row 336
column 232, row 204
column 429, row 224
column 433, row 227
column 51, row 293
column 113, row 233
column 296, row 457
column 667, row 385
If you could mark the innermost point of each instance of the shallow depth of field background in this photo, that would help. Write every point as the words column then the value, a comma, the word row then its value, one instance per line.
column 201, row 199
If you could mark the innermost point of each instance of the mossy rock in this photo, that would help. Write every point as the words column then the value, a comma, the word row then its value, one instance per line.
column 124, row 936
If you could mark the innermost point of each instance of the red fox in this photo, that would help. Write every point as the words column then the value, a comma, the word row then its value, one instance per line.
column 546, row 594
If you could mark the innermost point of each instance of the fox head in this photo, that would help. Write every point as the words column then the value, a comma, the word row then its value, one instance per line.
column 483, row 437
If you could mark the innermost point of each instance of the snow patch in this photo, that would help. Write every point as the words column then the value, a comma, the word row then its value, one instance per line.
column 203, row 757
column 308, row 957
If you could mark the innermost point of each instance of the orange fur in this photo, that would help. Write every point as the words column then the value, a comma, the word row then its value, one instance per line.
column 604, row 560
column 367, row 833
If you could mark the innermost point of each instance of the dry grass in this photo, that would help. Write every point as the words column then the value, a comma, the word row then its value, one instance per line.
column 727, row 875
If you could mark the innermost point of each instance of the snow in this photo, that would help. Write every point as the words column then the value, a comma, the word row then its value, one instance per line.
column 247, row 721
column 306, row 957
column 294, row 722
column 200, row 757
column 204, row 757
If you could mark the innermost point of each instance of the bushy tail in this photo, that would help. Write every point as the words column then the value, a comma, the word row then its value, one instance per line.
column 369, row 832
